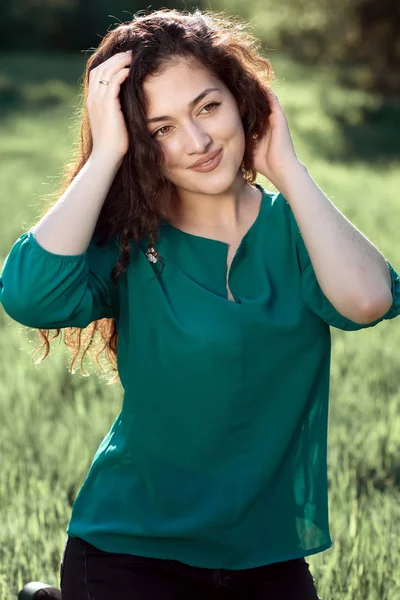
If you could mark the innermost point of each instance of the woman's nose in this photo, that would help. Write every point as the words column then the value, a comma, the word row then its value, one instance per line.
column 196, row 139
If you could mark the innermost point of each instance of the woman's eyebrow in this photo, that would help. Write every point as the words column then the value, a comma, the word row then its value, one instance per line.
column 192, row 104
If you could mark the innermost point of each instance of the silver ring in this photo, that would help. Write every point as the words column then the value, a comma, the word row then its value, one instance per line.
column 104, row 81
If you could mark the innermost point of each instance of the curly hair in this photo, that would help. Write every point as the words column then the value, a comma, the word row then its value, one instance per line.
column 139, row 191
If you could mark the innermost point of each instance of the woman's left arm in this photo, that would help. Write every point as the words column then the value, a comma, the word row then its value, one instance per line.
column 352, row 273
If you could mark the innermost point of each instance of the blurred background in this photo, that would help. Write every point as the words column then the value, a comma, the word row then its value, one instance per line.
column 337, row 68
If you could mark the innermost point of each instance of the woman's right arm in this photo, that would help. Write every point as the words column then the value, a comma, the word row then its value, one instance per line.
column 56, row 275
column 68, row 226
column 49, row 289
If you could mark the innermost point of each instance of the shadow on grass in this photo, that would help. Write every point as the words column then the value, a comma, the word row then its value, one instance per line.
column 379, row 480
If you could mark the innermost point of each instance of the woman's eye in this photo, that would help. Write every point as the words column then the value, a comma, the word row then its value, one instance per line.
column 165, row 127
column 213, row 104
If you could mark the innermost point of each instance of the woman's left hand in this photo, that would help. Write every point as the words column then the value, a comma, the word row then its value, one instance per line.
column 274, row 155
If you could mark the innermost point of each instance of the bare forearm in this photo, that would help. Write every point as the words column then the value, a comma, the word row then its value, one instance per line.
column 68, row 226
column 351, row 271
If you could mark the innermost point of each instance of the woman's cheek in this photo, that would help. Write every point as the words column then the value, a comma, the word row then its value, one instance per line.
column 173, row 156
column 228, row 124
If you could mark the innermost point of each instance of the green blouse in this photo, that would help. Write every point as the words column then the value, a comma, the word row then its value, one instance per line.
column 218, row 457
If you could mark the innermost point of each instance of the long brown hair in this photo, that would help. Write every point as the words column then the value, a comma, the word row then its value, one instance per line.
column 139, row 191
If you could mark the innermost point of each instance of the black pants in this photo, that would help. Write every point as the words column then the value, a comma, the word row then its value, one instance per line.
column 87, row 573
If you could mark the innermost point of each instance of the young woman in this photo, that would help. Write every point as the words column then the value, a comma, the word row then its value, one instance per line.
column 212, row 481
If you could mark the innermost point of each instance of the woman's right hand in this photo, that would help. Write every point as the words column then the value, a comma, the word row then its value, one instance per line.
column 107, row 123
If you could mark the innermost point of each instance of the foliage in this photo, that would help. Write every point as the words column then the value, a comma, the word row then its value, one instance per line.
column 360, row 34
column 349, row 33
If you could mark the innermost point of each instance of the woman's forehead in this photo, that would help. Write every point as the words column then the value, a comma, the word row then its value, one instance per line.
column 185, row 69
column 178, row 84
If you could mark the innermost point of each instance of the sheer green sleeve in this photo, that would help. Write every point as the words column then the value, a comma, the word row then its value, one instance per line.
column 316, row 301
column 44, row 290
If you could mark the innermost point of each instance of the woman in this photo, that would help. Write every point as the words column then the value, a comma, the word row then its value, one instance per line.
column 212, row 480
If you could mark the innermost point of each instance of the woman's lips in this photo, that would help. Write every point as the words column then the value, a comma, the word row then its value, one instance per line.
column 211, row 165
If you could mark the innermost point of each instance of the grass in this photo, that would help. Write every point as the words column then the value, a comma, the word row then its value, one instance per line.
column 349, row 141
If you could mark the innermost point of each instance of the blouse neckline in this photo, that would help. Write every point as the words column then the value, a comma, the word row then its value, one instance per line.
column 207, row 240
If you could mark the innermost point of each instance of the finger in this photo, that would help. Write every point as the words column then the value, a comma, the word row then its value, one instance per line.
column 106, row 69
column 114, row 59
column 108, row 72
column 110, row 90
column 114, row 87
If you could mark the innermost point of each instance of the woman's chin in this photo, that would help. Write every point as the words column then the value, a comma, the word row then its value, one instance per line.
column 213, row 182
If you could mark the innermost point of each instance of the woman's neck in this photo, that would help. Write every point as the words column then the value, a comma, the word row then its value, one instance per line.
column 227, row 213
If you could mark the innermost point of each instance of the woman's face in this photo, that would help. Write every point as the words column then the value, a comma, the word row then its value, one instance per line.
column 186, row 132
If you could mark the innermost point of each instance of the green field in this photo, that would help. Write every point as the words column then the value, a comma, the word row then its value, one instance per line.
column 52, row 421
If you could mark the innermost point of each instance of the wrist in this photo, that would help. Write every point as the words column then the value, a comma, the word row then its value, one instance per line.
column 293, row 175
column 105, row 161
